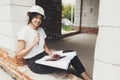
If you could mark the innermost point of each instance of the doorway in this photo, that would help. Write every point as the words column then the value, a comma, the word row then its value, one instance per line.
column 68, row 11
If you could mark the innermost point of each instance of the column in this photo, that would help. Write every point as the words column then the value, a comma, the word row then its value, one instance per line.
column 107, row 52
column 12, row 18
column 77, row 12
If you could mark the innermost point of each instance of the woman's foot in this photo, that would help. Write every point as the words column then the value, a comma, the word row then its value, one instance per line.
column 72, row 77
column 85, row 76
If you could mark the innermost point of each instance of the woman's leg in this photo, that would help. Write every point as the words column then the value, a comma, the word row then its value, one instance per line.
column 38, row 68
column 41, row 69
column 85, row 76
column 76, row 63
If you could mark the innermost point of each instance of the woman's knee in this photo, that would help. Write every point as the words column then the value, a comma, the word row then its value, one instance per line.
column 40, row 69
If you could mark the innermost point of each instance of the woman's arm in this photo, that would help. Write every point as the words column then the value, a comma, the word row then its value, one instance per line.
column 22, row 51
column 54, row 56
column 47, row 50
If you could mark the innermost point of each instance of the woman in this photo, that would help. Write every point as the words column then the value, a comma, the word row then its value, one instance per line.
column 31, row 45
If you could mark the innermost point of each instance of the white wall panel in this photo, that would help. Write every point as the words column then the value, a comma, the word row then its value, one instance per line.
column 23, row 2
column 6, row 41
column 6, row 28
column 109, row 13
column 5, row 14
column 103, row 71
column 18, row 13
column 3, row 2
column 108, row 45
column 18, row 2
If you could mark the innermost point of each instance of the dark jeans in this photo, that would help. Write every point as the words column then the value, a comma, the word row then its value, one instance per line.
column 42, row 69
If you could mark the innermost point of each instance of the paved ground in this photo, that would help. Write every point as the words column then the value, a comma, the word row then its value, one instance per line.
column 84, row 44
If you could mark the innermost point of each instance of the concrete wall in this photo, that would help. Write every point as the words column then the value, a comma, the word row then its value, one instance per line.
column 12, row 19
column 107, row 53
column 89, row 14
column 77, row 13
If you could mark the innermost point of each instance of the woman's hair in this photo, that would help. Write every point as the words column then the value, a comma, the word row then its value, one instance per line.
column 31, row 15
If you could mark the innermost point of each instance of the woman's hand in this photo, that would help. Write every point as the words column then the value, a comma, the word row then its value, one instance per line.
column 56, row 56
column 36, row 39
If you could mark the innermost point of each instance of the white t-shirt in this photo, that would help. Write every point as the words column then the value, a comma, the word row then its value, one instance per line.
column 28, row 34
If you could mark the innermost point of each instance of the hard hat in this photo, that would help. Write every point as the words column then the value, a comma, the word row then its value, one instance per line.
column 37, row 9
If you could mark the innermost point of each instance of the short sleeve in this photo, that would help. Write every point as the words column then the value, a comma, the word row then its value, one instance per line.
column 21, row 35
column 43, row 33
